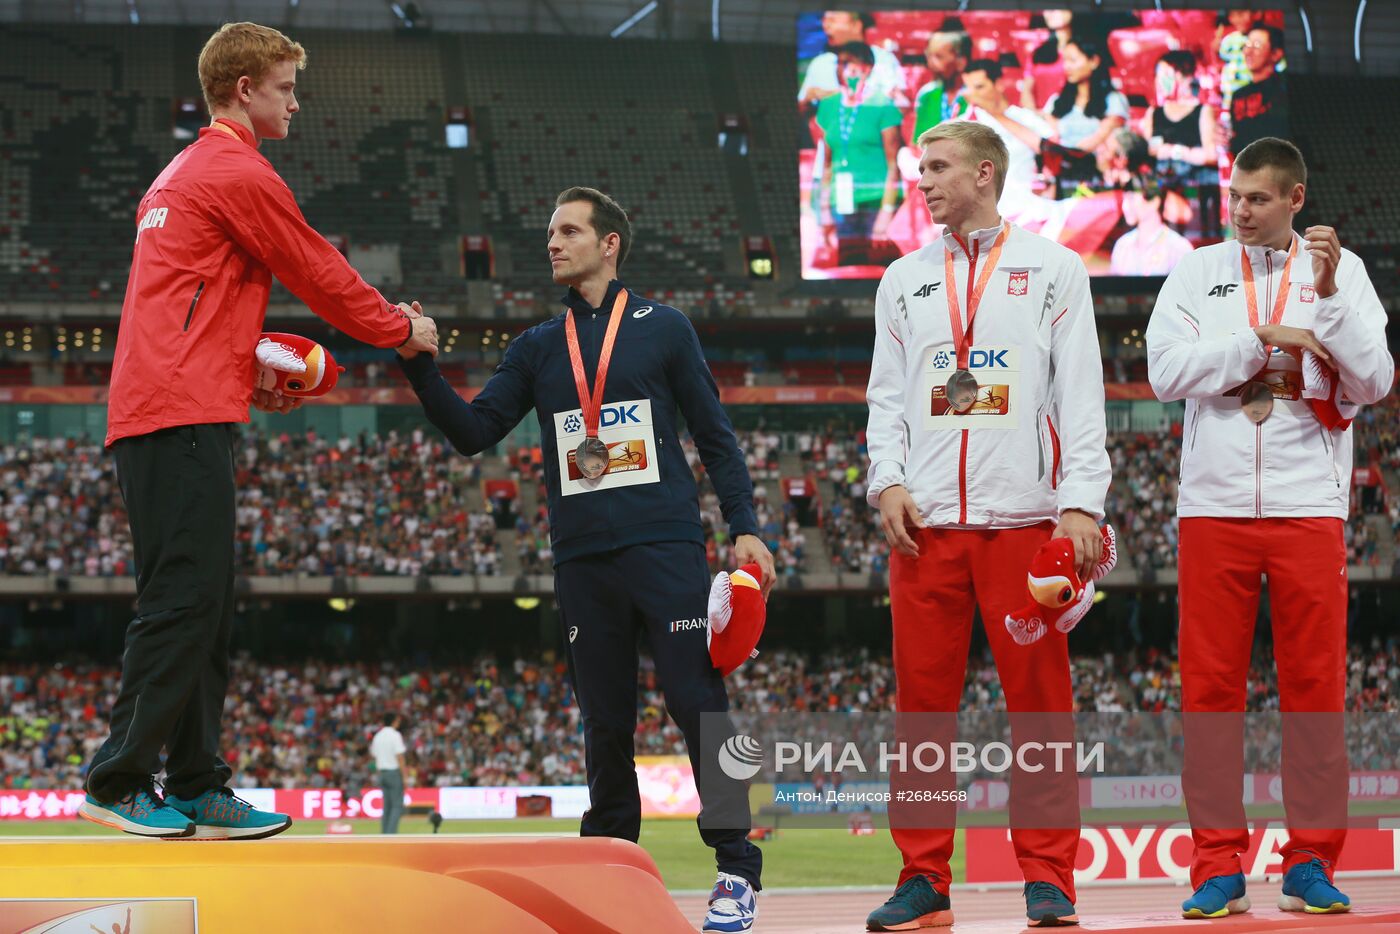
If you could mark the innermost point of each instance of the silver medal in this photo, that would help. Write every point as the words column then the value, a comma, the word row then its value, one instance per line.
column 961, row 391
column 592, row 457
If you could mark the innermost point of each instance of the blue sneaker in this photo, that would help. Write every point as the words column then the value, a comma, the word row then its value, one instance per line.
column 1047, row 906
column 140, row 812
column 1307, row 888
column 732, row 905
column 915, row 904
column 1217, row 897
column 219, row 814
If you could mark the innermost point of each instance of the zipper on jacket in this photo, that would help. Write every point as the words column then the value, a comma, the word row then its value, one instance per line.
column 1259, row 428
column 962, row 455
column 1054, row 455
column 1259, row 471
column 189, row 316
column 1195, row 424
column 962, row 481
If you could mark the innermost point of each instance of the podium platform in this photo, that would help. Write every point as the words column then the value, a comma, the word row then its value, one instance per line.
column 343, row 885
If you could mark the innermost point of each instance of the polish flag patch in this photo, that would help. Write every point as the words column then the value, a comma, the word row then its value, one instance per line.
column 1305, row 294
column 1018, row 283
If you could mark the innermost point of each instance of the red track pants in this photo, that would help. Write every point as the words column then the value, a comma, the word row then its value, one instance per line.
column 932, row 600
column 1221, row 562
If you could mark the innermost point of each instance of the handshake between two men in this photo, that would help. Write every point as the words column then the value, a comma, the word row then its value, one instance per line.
column 422, row 338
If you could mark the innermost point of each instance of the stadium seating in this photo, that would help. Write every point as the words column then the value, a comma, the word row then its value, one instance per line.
column 515, row 722
column 368, row 159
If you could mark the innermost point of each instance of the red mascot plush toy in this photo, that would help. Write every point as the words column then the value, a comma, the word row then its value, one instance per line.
column 1058, row 597
column 294, row 366
column 1322, row 388
column 737, row 614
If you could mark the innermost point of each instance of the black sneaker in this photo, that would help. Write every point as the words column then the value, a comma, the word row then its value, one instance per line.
column 915, row 904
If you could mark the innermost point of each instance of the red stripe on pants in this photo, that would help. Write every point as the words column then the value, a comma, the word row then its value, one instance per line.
column 1220, row 565
column 932, row 600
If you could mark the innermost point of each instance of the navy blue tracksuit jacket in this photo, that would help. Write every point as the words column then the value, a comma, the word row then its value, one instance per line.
column 628, row 548
column 657, row 366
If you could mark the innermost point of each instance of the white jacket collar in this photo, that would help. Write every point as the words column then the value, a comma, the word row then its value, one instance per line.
column 1257, row 254
column 983, row 238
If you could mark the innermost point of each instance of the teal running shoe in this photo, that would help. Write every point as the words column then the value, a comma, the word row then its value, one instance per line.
column 915, row 904
column 140, row 812
column 1307, row 888
column 1048, row 906
column 1217, row 897
column 219, row 814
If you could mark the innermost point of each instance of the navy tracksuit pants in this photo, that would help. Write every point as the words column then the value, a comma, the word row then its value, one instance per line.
column 605, row 600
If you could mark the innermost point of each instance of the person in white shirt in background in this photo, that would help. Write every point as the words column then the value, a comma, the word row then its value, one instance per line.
column 387, row 749
column 1021, row 131
column 1265, row 491
column 1151, row 248
column 967, row 496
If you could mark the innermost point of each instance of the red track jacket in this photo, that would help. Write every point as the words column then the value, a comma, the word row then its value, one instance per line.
column 212, row 231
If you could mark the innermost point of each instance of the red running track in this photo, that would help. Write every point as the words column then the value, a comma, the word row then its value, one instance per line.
column 1122, row 909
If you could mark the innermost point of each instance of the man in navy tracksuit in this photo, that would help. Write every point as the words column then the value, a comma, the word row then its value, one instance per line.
column 628, row 545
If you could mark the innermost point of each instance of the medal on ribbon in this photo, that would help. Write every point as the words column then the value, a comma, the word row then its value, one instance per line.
column 1256, row 398
column 591, row 456
column 962, row 388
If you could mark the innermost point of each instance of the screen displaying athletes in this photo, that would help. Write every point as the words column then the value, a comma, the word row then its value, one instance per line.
column 1121, row 126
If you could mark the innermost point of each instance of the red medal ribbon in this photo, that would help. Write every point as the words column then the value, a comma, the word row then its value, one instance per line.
column 961, row 336
column 593, row 404
column 1251, row 298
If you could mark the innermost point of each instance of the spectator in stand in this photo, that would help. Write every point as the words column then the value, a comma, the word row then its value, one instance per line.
column 1260, row 108
column 941, row 98
column 1180, row 133
column 1151, row 248
column 843, row 27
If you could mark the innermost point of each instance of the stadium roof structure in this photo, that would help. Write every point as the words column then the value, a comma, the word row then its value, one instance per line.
column 742, row 20
column 1341, row 28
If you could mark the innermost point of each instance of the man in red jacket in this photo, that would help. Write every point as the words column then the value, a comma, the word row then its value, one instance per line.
column 211, row 232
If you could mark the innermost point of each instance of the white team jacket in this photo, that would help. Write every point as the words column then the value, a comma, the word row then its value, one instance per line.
column 1033, row 445
column 1200, row 346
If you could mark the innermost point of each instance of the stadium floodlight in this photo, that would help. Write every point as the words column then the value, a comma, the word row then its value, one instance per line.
column 634, row 19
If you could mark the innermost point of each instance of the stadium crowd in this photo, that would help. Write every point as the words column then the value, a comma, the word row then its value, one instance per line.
column 495, row 722
column 405, row 504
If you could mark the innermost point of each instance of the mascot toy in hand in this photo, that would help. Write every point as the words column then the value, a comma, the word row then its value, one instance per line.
column 1058, row 598
column 737, row 614
column 294, row 366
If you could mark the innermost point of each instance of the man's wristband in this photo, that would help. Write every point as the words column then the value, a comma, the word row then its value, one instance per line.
column 410, row 333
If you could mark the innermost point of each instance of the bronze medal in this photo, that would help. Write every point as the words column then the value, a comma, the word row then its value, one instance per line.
column 1256, row 400
column 961, row 390
column 591, row 458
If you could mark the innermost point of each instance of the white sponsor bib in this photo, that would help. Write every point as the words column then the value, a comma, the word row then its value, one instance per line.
column 625, row 427
column 998, row 374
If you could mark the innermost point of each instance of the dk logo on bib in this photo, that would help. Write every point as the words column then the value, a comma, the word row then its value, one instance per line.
column 625, row 430
column 996, row 371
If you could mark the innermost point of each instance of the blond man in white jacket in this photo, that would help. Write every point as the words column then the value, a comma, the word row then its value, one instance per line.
column 1274, row 341
column 986, row 438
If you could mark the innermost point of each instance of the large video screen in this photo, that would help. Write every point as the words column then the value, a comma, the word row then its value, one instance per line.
column 1121, row 127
